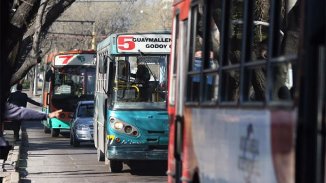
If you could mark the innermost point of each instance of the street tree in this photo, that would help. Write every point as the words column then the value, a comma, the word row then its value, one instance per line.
column 27, row 20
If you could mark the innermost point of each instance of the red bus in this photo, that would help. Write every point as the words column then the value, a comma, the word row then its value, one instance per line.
column 247, row 91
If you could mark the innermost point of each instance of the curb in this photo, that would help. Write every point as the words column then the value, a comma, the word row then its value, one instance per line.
column 9, row 170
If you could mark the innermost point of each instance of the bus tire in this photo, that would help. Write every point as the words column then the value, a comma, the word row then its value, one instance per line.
column 100, row 155
column 55, row 132
column 46, row 129
column 116, row 166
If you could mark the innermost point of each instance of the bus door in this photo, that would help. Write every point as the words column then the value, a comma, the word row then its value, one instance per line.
column 179, row 112
column 310, row 149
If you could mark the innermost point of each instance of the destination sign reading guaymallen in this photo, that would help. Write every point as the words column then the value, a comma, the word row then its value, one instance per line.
column 147, row 43
column 74, row 59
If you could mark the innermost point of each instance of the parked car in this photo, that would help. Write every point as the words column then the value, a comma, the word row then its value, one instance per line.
column 82, row 123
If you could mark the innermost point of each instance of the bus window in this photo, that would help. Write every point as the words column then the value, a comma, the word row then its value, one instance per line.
column 140, row 79
column 248, row 57
column 230, row 90
column 194, row 68
column 102, row 64
column 203, row 75
column 211, row 65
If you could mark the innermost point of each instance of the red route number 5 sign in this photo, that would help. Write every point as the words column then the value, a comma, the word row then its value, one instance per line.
column 126, row 43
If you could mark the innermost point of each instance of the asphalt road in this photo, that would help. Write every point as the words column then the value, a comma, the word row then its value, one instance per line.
column 45, row 159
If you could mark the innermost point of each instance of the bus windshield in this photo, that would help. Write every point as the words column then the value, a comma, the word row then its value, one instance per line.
column 74, row 81
column 139, row 82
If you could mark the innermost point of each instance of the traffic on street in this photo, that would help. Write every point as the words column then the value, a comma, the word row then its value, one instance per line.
column 48, row 159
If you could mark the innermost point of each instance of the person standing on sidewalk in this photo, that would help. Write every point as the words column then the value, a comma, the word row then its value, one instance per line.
column 20, row 99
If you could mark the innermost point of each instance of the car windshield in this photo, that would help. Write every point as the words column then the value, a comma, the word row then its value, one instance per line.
column 85, row 110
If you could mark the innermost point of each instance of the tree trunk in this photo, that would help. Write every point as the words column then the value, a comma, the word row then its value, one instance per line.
column 19, row 22
column 48, row 12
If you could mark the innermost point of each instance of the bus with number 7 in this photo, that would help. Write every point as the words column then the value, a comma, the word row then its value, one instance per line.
column 69, row 78
column 130, row 118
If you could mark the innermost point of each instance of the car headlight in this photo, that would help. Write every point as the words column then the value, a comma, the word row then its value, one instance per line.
column 123, row 127
column 82, row 127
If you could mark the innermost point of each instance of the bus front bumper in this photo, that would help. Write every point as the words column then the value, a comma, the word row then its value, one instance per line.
column 58, row 124
column 136, row 153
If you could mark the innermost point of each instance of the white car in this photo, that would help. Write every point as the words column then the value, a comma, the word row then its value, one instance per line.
column 82, row 123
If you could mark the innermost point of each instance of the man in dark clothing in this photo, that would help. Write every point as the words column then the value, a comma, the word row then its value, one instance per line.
column 143, row 76
column 15, row 113
column 20, row 99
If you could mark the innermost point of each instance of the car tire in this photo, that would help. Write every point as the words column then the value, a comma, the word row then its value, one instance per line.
column 75, row 142
column 71, row 141
column 55, row 132
column 116, row 166
column 100, row 155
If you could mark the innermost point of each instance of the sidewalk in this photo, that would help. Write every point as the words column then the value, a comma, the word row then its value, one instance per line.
column 9, row 172
column 13, row 165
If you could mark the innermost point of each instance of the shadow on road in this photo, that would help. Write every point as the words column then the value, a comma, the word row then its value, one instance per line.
column 148, row 168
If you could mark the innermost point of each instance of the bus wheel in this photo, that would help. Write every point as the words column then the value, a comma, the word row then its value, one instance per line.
column 100, row 155
column 46, row 130
column 55, row 132
column 115, row 166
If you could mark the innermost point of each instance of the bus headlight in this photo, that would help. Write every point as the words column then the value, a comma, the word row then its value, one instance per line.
column 118, row 125
column 128, row 129
column 123, row 127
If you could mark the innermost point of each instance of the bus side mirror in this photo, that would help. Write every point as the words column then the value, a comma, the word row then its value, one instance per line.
column 110, row 77
column 48, row 75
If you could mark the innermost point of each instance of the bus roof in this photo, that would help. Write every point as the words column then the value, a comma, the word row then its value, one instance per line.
column 73, row 57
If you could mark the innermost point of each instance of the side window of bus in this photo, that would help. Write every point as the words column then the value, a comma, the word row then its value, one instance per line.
column 102, row 64
column 257, row 58
column 203, row 78
column 111, row 76
column 231, row 54
column 280, row 55
column 283, row 60
column 195, row 62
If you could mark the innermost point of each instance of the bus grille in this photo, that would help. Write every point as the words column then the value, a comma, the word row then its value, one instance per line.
column 155, row 132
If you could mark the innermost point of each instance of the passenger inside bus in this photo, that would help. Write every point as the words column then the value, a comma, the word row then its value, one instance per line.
column 142, row 77
column 211, row 81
